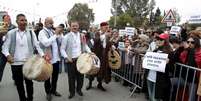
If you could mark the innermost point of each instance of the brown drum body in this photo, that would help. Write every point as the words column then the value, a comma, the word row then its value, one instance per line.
column 88, row 63
column 114, row 59
column 37, row 68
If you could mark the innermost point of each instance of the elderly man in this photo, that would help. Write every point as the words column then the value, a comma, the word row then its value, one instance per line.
column 102, row 45
column 48, row 39
column 73, row 44
column 18, row 47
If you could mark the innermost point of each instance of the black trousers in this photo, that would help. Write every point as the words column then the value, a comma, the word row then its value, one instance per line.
column 3, row 61
column 51, row 86
column 73, row 75
column 91, row 78
column 19, row 81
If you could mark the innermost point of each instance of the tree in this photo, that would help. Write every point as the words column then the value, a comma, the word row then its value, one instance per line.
column 157, row 17
column 122, row 21
column 137, row 9
column 81, row 13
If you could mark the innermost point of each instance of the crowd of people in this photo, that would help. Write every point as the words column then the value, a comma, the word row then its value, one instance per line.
column 64, row 47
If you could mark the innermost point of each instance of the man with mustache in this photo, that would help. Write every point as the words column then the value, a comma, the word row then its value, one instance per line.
column 18, row 47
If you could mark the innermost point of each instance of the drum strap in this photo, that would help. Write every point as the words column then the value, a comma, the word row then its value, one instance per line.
column 48, row 35
column 57, row 41
column 34, row 48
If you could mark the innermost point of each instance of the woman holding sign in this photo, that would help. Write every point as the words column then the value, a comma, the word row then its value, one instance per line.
column 161, row 79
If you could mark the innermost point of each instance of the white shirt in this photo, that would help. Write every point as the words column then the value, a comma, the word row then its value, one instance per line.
column 67, row 44
column 76, row 49
column 152, row 46
column 152, row 74
column 21, row 49
column 103, row 40
column 50, row 42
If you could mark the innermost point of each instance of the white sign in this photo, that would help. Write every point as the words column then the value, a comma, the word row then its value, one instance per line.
column 122, row 32
column 175, row 30
column 195, row 19
column 155, row 61
column 121, row 45
column 130, row 31
column 169, row 17
column 169, row 24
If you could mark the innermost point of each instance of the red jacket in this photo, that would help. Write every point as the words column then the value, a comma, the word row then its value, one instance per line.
column 183, row 57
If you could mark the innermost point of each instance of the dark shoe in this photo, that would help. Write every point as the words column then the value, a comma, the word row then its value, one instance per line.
column 71, row 96
column 57, row 94
column 101, row 87
column 49, row 97
column 80, row 93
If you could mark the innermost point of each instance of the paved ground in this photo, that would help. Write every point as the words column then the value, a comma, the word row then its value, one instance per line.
column 115, row 91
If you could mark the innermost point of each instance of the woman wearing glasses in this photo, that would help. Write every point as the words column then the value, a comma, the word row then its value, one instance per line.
column 191, row 56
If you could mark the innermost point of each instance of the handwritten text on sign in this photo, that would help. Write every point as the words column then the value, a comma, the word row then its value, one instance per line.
column 121, row 45
column 155, row 61
column 130, row 31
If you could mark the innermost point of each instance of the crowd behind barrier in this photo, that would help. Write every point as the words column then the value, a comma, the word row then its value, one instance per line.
column 184, row 79
column 131, row 72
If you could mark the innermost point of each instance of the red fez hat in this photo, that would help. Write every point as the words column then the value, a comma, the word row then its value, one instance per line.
column 103, row 24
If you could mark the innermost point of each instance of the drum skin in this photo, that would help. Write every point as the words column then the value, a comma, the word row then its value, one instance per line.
column 88, row 63
column 37, row 68
column 114, row 59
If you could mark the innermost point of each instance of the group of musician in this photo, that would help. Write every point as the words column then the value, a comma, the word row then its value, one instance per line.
column 21, row 43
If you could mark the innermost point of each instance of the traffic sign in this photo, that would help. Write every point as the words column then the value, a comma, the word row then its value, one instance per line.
column 169, row 17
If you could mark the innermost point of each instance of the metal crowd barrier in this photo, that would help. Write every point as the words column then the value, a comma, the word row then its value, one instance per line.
column 184, row 83
column 184, row 79
column 131, row 70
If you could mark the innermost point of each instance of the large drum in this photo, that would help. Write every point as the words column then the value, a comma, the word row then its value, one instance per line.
column 37, row 68
column 88, row 63
column 114, row 59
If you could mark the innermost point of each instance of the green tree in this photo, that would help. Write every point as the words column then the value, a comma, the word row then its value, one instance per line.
column 122, row 21
column 137, row 9
column 157, row 17
column 81, row 13
column 151, row 8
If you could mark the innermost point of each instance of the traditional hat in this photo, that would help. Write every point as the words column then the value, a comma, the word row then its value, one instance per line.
column 103, row 24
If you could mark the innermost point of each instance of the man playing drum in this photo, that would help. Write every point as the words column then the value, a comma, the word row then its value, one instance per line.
column 18, row 47
column 48, row 39
column 73, row 44
column 101, row 48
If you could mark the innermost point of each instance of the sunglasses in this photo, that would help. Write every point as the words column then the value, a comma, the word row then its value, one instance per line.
column 192, row 42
